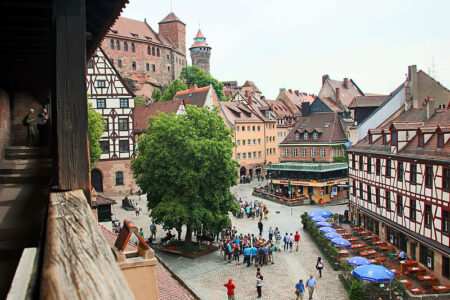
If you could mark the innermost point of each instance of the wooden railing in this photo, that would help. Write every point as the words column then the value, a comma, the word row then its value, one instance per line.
column 78, row 262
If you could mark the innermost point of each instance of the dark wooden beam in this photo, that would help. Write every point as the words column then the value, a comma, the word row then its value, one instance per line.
column 70, row 96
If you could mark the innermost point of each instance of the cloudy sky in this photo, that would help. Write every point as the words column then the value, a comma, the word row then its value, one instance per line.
column 292, row 43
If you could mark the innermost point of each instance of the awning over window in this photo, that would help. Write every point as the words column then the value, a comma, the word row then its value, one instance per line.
column 307, row 167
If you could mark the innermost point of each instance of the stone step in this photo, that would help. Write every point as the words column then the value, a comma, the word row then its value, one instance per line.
column 22, row 152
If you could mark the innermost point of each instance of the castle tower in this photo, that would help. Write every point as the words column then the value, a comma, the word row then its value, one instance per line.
column 171, row 27
column 200, row 52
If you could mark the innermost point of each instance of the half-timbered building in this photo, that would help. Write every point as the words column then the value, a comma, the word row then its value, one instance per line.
column 111, row 97
column 400, row 185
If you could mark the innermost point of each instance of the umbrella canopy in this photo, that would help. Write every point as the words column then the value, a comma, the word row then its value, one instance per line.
column 374, row 273
column 326, row 229
column 320, row 212
column 332, row 235
column 358, row 261
column 341, row 242
column 324, row 224
column 318, row 219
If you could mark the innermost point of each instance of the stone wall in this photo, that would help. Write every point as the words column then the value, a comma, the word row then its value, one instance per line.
column 23, row 101
column 201, row 60
column 108, row 168
column 5, row 121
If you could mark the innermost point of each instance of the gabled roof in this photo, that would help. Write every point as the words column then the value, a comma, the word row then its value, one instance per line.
column 196, row 96
column 280, row 109
column 236, row 112
column 143, row 111
column 171, row 17
column 367, row 101
column 102, row 200
column 346, row 93
column 134, row 29
column 328, row 126
column 251, row 84
column 329, row 103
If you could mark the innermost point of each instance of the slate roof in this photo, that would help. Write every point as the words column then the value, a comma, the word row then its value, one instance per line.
column 102, row 200
column 330, row 104
column 143, row 111
column 328, row 126
column 367, row 101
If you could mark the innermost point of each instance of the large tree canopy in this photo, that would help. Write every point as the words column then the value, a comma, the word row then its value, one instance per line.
column 95, row 130
column 185, row 167
column 174, row 87
column 194, row 75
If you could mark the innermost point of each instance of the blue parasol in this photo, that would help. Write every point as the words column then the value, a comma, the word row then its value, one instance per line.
column 318, row 219
column 341, row 242
column 326, row 229
column 358, row 261
column 374, row 273
column 332, row 235
column 324, row 224
column 320, row 212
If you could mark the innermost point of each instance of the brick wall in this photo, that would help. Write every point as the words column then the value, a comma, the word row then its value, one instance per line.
column 5, row 121
column 176, row 32
column 108, row 169
column 308, row 157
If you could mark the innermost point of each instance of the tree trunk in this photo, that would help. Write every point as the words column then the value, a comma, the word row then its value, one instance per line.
column 179, row 230
column 188, row 238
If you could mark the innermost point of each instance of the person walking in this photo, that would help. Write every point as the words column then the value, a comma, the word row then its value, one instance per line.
column 28, row 122
column 311, row 284
column 286, row 242
column 260, row 227
column 259, row 285
column 42, row 127
column 141, row 232
column 153, row 229
column 137, row 210
column 296, row 240
column 230, row 289
column 291, row 242
column 299, row 289
column 319, row 266
column 271, row 233
column 247, row 252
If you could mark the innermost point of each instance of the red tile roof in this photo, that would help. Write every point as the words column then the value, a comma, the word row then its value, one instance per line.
column 199, row 34
column 251, row 84
column 331, row 104
column 111, row 238
column 171, row 17
column 143, row 111
column 346, row 93
column 368, row 101
column 194, row 96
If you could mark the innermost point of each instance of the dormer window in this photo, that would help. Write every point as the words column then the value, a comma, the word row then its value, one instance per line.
column 370, row 138
column 315, row 136
column 384, row 139
column 305, row 136
column 420, row 140
column 394, row 138
column 114, row 31
column 440, row 140
column 267, row 114
column 297, row 136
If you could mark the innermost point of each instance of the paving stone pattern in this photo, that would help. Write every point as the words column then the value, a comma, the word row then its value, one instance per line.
column 206, row 275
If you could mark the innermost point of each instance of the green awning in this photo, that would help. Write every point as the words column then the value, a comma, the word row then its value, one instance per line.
column 307, row 166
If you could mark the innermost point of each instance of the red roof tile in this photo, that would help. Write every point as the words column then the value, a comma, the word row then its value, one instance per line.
column 171, row 17
column 199, row 34
column 368, row 101
column 346, row 93
column 143, row 111
column 129, row 28
column 195, row 96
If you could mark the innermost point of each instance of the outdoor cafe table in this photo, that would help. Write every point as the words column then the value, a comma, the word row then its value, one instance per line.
column 405, row 282
column 352, row 239
column 395, row 271
column 416, row 269
column 406, row 264
column 343, row 253
column 367, row 237
column 345, row 234
column 381, row 260
column 386, row 247
column 380, row 243
column 417, row 291
column 441, row 288
column 428, row 279
column 358, row 246
column 368, row 253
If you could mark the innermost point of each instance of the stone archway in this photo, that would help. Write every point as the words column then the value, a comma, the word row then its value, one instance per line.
column 243, row 171
column 97, row 180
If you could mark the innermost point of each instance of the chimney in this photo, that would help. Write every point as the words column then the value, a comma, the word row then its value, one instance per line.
column 297, row 93
column 247, row 93
column 430, row 107
column 282, row 89
column 306, row 109
column 290, row 91
column 338, row 97
column 193, row 87
column 324, row 78
column 346, row 83
column 250, row 100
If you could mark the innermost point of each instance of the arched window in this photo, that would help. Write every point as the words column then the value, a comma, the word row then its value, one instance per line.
column 119, row 178
column 133, row 65
column 125, row 46
column 153, row 51
column 157, row 52
column 111, row 44
column 117, row 45
column 132, row 47
column 148, row 50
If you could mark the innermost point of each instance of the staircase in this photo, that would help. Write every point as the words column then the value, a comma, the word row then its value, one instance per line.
column 24, row 188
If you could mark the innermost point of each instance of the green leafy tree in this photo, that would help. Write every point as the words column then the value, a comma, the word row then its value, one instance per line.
column 194, row 75
column 185, row 167
column 95, row 129
column 156, row 95
column 138, row 100
column 173, row 88
column 356, row 290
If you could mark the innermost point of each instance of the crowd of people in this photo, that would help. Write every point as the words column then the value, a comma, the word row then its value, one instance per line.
column 253, row 210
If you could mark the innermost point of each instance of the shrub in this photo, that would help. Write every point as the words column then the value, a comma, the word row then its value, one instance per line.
column 356, row 290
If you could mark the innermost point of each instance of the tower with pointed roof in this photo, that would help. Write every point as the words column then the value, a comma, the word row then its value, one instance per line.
column 172, row 28
column 200, row 52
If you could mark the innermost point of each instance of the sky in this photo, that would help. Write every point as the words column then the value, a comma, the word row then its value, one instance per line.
column 292, row 43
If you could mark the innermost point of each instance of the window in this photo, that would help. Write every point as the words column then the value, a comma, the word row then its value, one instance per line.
column 369, row 193
column 361, row 192
column 90, row 64
column 153, row 68
column 119, row 178
column 445, row 219
column 124, row 103
column 428, row 176
column 123, row 124
column 101, row 83
column 167, row 56
column 168, row 69
column 394, row 138
column 133, row 65
column 354, row 188
column 238, row 142
column 148, row 50
column 378, row 166
column 253, row 128
column 353, row 161
column 361, row 163
column 157, row 52
column 427, row 215
column 259, row 154
column 388, row 168
column 238, row 157
column 243, row 128
column 249, row 155
column 303, row 152
column 377, row 197
column 124, row 146
column 315, row 136
column 322, row 152
column 388, row 200
column 294, row 153
column 297, row 136
column 267, row 114
column 254, row 141
column 117, row 45
column 412, row 209
column 249, row 142
column 259, row 128
column 153, row 51
column 132, row 47
column 305, row 136
column 112, row 61
column 147, row 67
column 400, row 171
column 248, row 128
column 440, row 140
column 237, row 128
column 104, row 145
column 119, row 63
column 413, row 173
column 125, row 46
column 111, row 44
column 369, row 164
column 313, row 152
column 105, row 125
column 338, row 152
column 420, row 140
column 243, row 142
column 427, row 257
column 445, row 266
column 254, row 154
column 286, row 152
column 332, row 152
column 446, row 179
column 244, row 155
column 400, row 205
column 259, row 141
column 101, row 103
